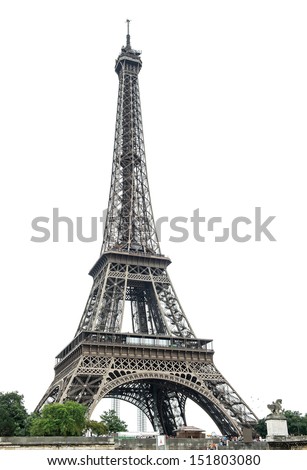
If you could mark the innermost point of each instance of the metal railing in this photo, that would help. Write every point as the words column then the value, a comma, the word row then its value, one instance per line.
column 133, row 339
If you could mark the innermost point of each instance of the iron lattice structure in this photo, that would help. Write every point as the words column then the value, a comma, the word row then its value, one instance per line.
column 162, row 362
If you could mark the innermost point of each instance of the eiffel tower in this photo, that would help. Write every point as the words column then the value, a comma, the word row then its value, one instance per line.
column 162, row 363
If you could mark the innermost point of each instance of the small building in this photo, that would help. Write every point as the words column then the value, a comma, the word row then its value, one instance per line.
column 190, row 432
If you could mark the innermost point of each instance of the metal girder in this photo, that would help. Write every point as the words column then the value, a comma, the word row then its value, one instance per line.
column 130, row 223
column 159, row 386
column 155, row 308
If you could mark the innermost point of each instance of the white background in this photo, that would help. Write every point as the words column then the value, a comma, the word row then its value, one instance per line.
column 223, row 90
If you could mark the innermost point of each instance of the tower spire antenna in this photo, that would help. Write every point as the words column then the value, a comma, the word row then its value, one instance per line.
column 128, row 45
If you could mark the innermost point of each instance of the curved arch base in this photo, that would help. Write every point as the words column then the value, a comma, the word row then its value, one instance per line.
column 158, row 380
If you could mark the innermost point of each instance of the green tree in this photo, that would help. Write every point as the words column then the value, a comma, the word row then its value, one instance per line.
column 60, row 419
column 112, row 422
column 13, row 415
column 96, row 428
column 260, row 428
column 31, row 417
column 297, row 424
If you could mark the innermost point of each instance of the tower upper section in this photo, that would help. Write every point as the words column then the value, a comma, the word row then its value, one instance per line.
column 129, row 60
column 130, row 225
